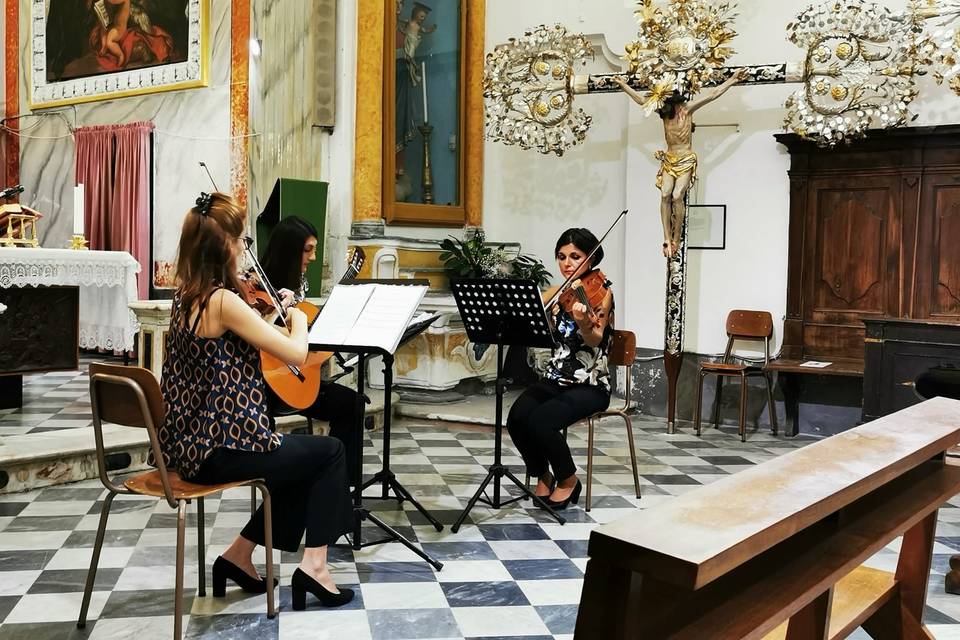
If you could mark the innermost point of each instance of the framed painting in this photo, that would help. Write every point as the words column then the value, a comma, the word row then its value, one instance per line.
column 707, row 226
column 87, row 50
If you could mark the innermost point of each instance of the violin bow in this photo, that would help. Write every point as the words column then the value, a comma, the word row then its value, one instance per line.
column 573, row 276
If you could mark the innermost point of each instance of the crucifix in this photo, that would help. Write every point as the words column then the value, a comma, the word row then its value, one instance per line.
column 858, row 71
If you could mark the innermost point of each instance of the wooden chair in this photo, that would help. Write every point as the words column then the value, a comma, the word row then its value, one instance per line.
column 130, row 396
column 743, row 325
column 621, row 353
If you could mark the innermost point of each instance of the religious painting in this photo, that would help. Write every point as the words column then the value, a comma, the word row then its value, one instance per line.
column 707, row 226
column 425, row 41
column 86, row 50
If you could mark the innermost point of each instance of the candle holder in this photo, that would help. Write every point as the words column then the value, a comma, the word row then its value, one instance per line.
column 427, row 180
column 78, row 242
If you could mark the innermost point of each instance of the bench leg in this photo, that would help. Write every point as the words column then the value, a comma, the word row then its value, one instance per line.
column 790, row 386
column 606, row 589
column 913, row 566
column 813, row 621
column 893, row 622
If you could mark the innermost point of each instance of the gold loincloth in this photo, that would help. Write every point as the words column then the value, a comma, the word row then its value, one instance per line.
column 676, row 165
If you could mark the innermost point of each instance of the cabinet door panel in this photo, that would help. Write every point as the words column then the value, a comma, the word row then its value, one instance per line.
column 938, row 251
column 851, row 258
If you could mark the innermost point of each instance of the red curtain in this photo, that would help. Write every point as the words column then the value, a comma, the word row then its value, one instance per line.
column 113, row 164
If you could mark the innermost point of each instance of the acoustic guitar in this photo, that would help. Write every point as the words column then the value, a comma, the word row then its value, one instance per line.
column 297, row 387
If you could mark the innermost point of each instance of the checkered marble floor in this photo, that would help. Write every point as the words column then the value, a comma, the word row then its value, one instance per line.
column 507, row 573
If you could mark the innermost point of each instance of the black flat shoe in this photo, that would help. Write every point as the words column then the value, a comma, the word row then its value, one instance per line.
column 223, row 569
column 574, row 497
column 302, row 583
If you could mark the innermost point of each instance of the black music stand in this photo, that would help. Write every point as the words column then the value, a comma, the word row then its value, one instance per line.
column 361, row 513
column 386, row 478
column 502, row 312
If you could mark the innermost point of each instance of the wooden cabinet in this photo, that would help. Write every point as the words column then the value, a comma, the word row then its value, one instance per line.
column 874, row 232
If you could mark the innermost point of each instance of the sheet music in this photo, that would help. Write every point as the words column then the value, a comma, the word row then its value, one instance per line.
column 386, row 315
column 340, row 313
column 367, row 315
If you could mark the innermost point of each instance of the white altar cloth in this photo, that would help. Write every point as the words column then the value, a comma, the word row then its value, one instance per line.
column 107, row 281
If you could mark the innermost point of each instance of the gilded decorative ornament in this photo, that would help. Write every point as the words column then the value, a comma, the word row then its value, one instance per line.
column 864, row 39
column 940, row 49
column 681, row 46
column 526, row 83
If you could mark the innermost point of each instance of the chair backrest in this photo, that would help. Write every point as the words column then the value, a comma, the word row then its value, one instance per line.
column 129, row 397
column 622, row 350
column 745, row 324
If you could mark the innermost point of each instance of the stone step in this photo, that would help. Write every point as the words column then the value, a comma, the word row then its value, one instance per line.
column 69, row 455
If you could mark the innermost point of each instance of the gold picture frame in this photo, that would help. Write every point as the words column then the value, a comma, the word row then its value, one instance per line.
column 116, row 49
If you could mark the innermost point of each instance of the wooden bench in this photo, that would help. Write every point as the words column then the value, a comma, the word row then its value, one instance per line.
column 789, row 374
column 775, row 551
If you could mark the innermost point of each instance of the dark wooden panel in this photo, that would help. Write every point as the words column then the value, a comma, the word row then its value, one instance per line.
column 938, row 275
column 39, row 329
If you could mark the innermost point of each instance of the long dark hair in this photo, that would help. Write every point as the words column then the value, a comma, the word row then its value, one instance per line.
column 206, row 255
column 283, row 257
column 582, row 239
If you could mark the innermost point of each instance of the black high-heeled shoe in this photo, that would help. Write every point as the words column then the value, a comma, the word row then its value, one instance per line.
column 574, row 497
column 301, row 583
column 223, row 569
column 552, row 486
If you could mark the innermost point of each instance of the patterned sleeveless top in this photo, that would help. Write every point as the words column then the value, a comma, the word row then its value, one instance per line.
column 213, row 389
column 573, row 361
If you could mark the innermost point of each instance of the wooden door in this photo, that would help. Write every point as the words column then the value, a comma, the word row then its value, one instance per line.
column 937, row 286
column 851, row 260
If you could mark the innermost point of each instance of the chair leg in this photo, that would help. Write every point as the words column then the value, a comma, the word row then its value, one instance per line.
column 716, row 402
column 743, row 408
column 696, row 404
column 589, row 461
column 95, row 559
column 633, row 451
column 253, row 501
column 773, row 407
column 268, row 545
column 178, row 584
column 310, row 425
column 202, row 591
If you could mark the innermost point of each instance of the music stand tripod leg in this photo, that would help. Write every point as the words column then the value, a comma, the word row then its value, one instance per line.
column 399, row 538
column 497, row 470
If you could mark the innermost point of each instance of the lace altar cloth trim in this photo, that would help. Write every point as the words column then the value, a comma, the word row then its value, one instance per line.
column 107, row 281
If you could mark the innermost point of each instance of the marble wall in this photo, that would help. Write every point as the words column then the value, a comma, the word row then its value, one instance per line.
column 191, row 125
column 284, row 92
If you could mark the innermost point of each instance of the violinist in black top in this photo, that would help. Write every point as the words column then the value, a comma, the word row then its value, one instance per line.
column 290, row 250
column 575, row 384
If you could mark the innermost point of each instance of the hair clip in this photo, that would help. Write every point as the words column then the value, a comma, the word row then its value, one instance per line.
column 203, row 203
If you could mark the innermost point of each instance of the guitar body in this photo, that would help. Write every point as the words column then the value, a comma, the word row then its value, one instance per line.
column 295, row 392
column 297, row 387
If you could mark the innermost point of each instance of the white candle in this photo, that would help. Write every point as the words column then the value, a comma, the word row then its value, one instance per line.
column 78, row 210
column 423, row 81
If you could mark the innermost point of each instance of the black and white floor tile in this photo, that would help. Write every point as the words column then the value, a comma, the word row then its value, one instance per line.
column 508, row 573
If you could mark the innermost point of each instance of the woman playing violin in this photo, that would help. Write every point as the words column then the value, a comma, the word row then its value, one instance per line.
column 290, row 250
column 217, row 428
column 575, row 384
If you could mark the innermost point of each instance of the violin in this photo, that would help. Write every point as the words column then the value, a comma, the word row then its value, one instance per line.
column 589, row 290
column 593, row 283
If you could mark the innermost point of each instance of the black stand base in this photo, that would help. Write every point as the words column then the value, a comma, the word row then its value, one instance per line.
column 362, row 513
column 11, row 392
column 387, row 480
column 496, row 472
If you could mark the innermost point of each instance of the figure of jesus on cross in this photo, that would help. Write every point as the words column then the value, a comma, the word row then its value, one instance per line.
column 678, row 163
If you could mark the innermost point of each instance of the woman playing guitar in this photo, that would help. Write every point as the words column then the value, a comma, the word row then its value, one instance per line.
column 575, row 384
column 290, row 250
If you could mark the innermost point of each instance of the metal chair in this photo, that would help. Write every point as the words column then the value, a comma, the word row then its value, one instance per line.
column 742, row 325
column 130, row 396
column 621, row 352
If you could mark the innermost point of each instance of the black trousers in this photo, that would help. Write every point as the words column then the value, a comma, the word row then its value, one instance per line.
column 307, row 479
column 538, row 417
column 335, row 404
